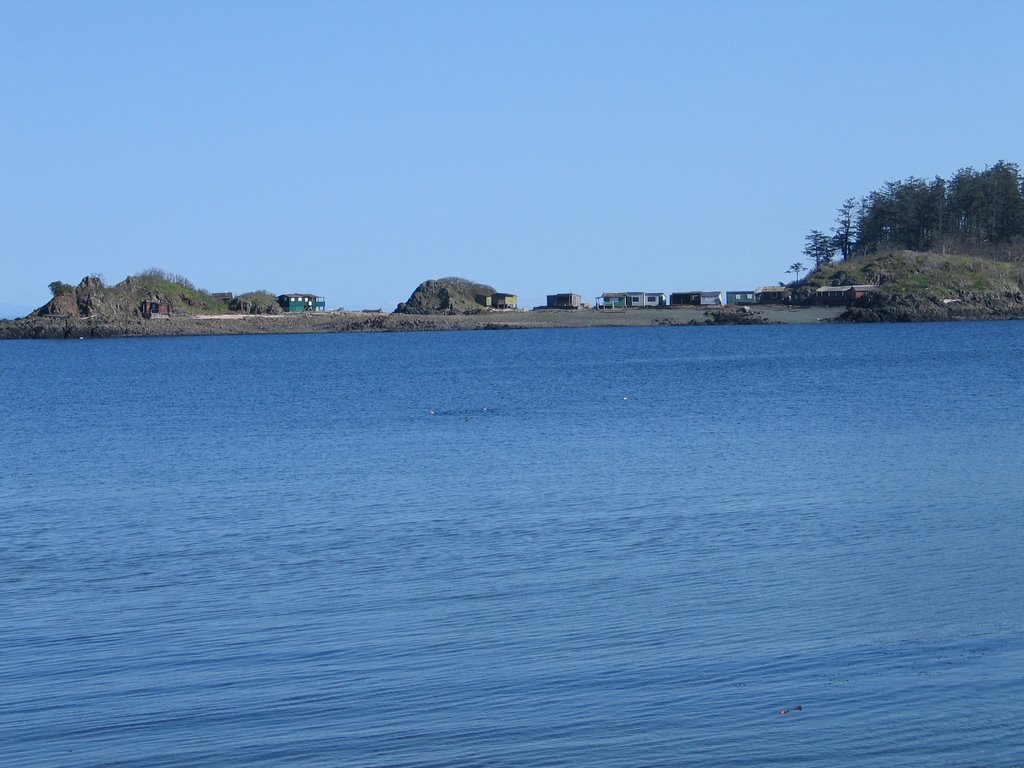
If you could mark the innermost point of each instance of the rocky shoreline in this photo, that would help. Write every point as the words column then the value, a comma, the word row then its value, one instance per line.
column 907, row 287
column 49, row 327
column 909, row 308
column 871, row 309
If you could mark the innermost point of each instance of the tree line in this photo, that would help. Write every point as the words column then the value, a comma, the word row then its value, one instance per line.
column 981, row 212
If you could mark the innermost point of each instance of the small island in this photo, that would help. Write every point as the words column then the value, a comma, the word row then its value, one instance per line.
column 906, row 287
column 911, row 251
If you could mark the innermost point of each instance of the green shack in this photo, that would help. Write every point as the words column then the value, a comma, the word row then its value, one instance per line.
column 301, row 302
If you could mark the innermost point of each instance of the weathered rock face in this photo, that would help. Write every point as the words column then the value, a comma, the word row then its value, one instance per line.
column 62, row 305
column 91, row 298
column 446, row 296
column 255, row 305
column 735, row 316
column 908, row 308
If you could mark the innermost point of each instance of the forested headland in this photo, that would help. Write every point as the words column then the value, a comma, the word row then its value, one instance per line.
column 940, row 249
column 980, row 213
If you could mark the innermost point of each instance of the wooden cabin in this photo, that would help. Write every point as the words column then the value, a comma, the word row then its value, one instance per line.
column 563, row 301
column 301, row 302
column 154, row 308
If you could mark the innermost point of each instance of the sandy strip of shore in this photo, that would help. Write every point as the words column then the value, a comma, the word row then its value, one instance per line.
column 551, row 318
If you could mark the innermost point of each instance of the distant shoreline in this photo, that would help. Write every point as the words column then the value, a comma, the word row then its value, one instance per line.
column 374, row 322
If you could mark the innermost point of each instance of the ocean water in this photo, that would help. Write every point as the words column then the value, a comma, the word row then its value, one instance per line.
column 596, row 547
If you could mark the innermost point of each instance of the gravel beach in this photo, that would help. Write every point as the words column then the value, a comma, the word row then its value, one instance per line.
column 349, row 322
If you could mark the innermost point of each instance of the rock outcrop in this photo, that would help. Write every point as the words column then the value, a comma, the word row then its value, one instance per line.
column 885, row 307
column 92, row 298
column 446, row 296
column 257, row 303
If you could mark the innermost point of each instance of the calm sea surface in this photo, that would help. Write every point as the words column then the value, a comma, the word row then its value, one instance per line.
column 601, row 547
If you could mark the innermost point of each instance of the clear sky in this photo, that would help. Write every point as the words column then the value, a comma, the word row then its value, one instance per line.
column 355, row 149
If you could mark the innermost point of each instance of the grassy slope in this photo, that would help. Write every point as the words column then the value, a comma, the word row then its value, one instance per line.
column 94, row 298
column 927, row 275
column 184, row 297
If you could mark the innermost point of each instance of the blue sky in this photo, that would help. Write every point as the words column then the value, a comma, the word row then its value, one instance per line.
column 355, row 149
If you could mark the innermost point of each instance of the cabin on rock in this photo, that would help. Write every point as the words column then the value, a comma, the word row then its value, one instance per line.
column 563, row 301
column 631, row 300
column 504, row 301
column 696, row 298
column 301, row 302
column 651, row 299
column 610, row 301
column 498, row 300
column 773, row 294
column 155, row 308
column 841, row 295
column 740, row 297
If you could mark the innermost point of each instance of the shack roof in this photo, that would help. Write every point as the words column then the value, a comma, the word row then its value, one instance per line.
column 844, row 288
